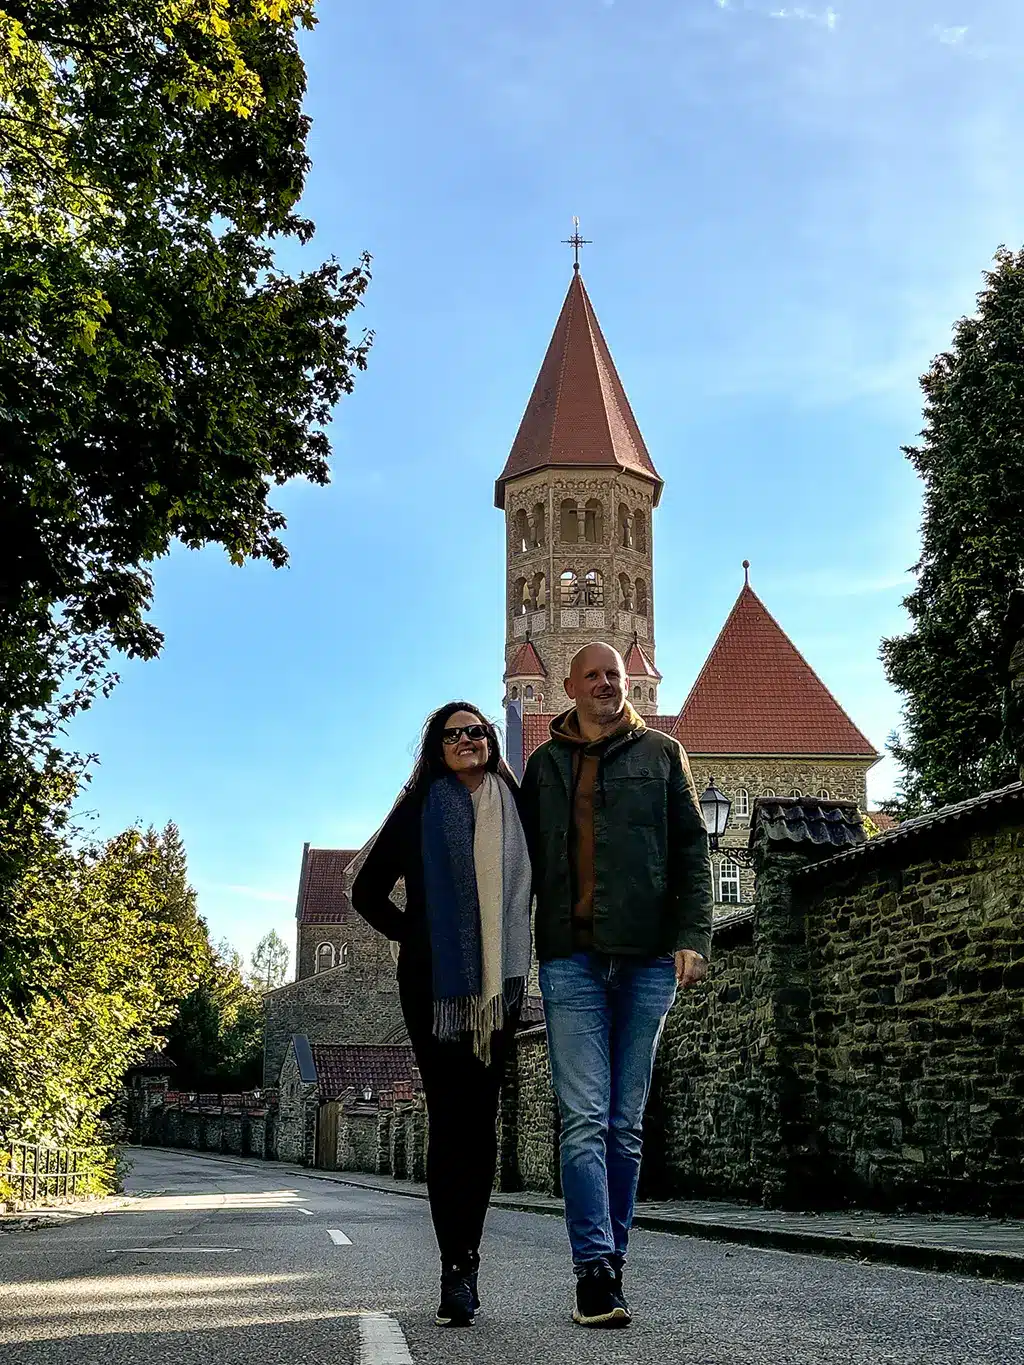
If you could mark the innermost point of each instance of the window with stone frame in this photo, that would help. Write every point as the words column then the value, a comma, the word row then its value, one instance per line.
column 569, row 589
column 823, row 795
column 638, row 693
column 641, row 596
column 650, row 694
column 743, row 803
column 729, row 882
column 521, row 598
column 640, row 530
column 522, row 538
column 626, row 598
column 569, row 523
column 625, row 527
column 324, row 957
column 346, row 954
column 593, row 522
column 796, row 792
column 768, row 791
column 593, row 588
column 540, row 528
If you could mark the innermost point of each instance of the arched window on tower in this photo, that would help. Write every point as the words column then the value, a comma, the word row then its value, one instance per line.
column 625, row 527
column 522, row 537
column 514, row 693
column 569, row 589
column 593, row 589
column 528, row 694
column 324, row 957
column 346, row 954
column 641, row 596
column 650, row 694
column 743, row 803
column 521, row 597
column 594, row 522
column 540, row 529
column 569, row 524
column 640, row 530
column 626, row 598
column 539, row 592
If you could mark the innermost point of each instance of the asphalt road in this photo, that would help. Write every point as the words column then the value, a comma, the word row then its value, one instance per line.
column 234, row 1264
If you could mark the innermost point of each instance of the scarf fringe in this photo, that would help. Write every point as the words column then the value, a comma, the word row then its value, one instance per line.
column 479, row 1018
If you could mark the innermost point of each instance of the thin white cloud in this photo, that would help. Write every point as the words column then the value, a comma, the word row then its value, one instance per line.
column 952, row 37
column 828, row 18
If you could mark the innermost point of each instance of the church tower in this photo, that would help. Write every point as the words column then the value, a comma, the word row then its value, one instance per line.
column 578, row 491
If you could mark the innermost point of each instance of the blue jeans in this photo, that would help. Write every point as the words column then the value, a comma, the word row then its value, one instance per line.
column 604, row 1019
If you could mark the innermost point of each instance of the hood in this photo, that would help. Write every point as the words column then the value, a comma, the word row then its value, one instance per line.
column 566, row 727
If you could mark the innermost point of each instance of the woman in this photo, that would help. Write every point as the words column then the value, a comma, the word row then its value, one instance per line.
column 456, row 838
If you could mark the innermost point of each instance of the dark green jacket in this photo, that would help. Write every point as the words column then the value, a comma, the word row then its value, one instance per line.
column 652, row 868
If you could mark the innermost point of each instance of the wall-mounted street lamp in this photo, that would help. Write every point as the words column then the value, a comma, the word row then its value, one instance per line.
column 367, row 1093
column 715, row 807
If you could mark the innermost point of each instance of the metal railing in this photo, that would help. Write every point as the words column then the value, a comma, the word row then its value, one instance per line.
column 39, row 1173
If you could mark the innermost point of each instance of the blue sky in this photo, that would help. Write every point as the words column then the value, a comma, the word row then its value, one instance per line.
column 790, row 206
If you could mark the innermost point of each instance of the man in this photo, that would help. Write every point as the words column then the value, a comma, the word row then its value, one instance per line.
column 623, row 883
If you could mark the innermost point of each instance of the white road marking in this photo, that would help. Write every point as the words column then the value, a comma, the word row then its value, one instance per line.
column 176, row 1251
column 338, row 1237
column 381, row 1341
column 307, row 1211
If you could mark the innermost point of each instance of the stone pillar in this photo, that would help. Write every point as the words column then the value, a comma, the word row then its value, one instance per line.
column 786, row 835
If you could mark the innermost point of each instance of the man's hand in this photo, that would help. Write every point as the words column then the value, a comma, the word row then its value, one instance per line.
column 691, row 967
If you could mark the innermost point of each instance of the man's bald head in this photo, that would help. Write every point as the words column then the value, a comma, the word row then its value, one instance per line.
column 597, row 684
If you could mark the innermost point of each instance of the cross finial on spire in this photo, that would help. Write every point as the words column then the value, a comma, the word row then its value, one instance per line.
column 576, row 241
column 746, row 573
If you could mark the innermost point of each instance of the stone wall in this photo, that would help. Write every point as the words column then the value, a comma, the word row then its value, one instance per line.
column 706, row 1098
column 357, row 1138
column 295, row 1129
column 535, row 1165
column 917, row 1005
column 351, row 1004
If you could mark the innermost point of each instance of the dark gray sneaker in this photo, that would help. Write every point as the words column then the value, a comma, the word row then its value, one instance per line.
column 616, row 1264
column 458, row 1301
column 597, row 1302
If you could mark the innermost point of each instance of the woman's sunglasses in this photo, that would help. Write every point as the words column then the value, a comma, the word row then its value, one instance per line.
column 470, row 731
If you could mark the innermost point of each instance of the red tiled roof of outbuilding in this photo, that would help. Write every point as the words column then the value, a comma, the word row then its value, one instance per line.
column 578, row 414
column 340, row 1066
column 757, row 694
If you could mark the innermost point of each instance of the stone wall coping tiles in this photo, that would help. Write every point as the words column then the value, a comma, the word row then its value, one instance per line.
column 998, row 802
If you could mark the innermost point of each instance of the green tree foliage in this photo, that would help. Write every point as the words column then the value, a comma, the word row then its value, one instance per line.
column 159, row 372
column 98, row 1004
column 216, row 1038
column 269, row 964
column 951, row 665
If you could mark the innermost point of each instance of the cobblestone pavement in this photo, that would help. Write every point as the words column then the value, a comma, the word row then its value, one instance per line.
column 248, row 1263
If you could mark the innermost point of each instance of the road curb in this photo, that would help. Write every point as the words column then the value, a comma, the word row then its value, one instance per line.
column 991, row 1265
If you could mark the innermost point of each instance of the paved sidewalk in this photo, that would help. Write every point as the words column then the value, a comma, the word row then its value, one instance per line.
column 990, row 1247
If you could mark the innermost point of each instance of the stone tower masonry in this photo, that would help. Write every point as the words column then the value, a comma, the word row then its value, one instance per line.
column 578, row 491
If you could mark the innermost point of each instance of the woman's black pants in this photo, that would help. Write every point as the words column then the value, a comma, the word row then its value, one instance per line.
column 462, row 1105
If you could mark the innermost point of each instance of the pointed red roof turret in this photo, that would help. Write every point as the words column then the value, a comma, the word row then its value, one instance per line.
column 757, row 694
column 578, row 415
column 526, row 664
column 638, row 665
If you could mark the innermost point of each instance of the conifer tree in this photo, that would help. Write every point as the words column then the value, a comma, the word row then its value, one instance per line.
column 951, row 666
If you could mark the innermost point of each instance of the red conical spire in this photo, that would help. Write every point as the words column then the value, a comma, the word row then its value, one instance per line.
column 578, row 415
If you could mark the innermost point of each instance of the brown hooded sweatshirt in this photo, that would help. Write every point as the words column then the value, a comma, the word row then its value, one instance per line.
column 586, row 760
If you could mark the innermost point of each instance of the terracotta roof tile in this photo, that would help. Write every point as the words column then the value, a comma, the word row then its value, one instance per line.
column 637, row 663
column 340, row 1066
column 527, row 663
column 882, row 820
column 757, row 694
column 578, row 413
column 322, row 898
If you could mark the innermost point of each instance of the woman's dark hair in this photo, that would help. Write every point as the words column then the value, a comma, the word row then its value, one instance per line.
column 430, row 762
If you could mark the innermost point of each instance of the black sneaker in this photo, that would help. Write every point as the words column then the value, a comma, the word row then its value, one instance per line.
column 474, row 1272
column 458, row 1301
column 616, row 1265
column 597, row 1303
